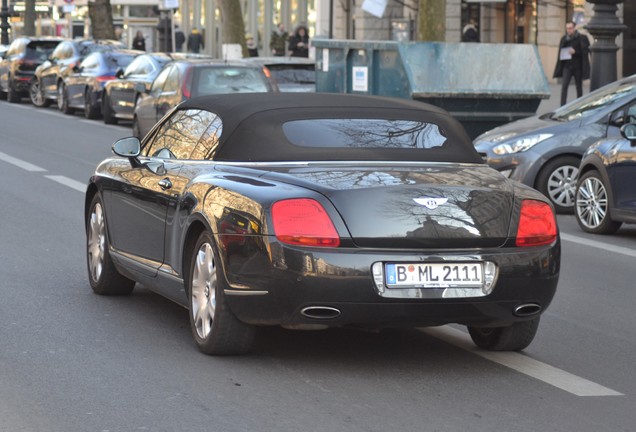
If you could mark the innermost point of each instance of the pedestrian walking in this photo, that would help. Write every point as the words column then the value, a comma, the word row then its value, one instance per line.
column 195, row 41
column 573, row 61
column 179, row 38
column 139, row 42
column 278, row 41
column 299, row 42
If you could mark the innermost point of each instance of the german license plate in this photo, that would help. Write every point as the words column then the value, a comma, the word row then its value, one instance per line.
column 434, row 275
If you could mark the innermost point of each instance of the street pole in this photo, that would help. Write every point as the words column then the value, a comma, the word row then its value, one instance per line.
column 604, row 27
column 4, row 23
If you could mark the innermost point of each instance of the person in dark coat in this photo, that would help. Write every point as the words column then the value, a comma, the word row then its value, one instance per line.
column 252, row 49
column 139, row 42
column 470, row 33
column 299, row 43
column 278, row 41
column 195, row 41
column 573, row 60
column 179, row 38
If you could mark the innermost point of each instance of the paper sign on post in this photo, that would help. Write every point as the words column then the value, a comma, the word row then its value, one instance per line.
column 360, row 78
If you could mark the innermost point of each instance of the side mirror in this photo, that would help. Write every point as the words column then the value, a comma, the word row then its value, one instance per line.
column 628, row 131
column 129, row 148
column 618, row 118
column 77, row 69
column 120, row 73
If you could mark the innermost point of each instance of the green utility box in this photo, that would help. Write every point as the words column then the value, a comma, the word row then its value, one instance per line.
column 481, row 85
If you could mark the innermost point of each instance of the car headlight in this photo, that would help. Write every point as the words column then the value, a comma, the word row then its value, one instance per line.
column 520, row 145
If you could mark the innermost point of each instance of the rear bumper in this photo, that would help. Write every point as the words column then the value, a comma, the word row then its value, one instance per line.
column 275, row 288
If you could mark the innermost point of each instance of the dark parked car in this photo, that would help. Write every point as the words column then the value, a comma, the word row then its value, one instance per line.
column 605, row 193
column 183, row 79
column 291, row 74
column 545, row 151
column 68, row 54
column 120, row 95
column 320, row 210
column 84, row 87
column 24, row 55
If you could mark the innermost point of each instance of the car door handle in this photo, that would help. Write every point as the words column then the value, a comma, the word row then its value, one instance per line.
column 165, row 184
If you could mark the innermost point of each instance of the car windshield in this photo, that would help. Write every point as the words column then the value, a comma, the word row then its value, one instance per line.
column 595, row 101
column 40, row 50
column 364, row 133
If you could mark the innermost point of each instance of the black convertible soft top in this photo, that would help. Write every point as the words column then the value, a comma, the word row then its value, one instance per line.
column 253, row 126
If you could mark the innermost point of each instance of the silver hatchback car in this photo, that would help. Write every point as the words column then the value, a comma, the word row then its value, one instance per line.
column 545, row 151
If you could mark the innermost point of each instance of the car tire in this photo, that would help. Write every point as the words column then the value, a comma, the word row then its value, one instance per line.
column 37, row 95
column 102, row 274
column 557, row 181
column 592, row 207
column 91, row 111
column 12, row 95
column 513, row 338
column 215, row 329
column 62, row 100
column 107, row 111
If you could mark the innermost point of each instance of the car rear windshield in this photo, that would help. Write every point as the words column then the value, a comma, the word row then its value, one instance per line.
column 364, row 133
column 222, row 80
column 40, row 50
column 342, row 133
column 293, row 74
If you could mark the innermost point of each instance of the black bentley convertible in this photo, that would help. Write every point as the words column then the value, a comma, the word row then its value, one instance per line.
column 320, row 210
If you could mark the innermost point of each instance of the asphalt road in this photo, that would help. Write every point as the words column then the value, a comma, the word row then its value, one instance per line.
column 73, row 361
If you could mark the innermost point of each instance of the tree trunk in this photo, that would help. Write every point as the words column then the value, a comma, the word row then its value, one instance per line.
column 29, row 18
column 431, row 21
column 101, row 15
column 232, row 25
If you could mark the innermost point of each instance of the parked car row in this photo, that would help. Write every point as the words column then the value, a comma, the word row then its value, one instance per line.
column 582, row 156
column 104, row 79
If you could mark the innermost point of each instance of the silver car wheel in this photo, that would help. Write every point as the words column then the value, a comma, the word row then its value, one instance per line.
column 562, row 185
column 204, row 291
column 36, row 95
column 591, row 203
column 60, row 97
column 96, row 242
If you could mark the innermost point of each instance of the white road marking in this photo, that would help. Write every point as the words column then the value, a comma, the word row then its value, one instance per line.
column 556, row 377
column 599, row 245
column 73, row 184
column 20, row 163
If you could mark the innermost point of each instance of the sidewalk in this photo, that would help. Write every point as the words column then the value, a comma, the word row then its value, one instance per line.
column 554, row 102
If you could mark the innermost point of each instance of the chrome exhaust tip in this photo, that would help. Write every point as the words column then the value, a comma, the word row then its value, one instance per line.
column 320, row 312
column 527, row 309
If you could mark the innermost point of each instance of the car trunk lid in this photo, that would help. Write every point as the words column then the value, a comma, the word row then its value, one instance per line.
column 433, row 206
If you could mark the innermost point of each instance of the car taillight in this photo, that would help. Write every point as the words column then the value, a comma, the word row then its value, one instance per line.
column 187, row 83
column 105, row 78
column 537, row 224
column 305, row 222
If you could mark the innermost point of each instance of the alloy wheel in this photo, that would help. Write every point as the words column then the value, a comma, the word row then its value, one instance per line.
column 60, row 97
column 591, row 203
column 562, row 185
column 36, row 94
column 96, row 242
column 204, row 291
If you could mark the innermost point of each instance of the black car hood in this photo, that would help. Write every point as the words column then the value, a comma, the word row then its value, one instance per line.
column 437, row 205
